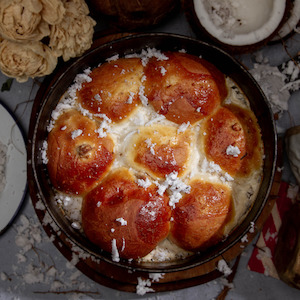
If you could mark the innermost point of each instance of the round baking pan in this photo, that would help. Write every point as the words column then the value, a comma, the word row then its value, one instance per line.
column 53, row 88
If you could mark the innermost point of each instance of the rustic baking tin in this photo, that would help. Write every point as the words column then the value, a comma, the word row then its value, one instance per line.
column 54, row 86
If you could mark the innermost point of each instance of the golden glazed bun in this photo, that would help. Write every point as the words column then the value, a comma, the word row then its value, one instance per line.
column 77, row 157
column 156, row 151
column 160, row 150
column 233, row 126
column 119, row 209
column 113, row 90
column 200, row 216
column 223, row 130
column 253, row 158
column 184, row 88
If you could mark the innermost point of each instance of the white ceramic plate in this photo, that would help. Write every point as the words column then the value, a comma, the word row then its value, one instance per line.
column 15, row 188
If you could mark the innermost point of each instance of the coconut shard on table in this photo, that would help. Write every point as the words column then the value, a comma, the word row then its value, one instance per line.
column 238, row 26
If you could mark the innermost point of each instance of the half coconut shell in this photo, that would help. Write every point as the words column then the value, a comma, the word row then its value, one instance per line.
column 237, row 26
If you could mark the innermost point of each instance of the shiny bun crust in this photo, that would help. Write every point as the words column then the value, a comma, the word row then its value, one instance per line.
column 118, row 209
column 160, row 150
column 184, row 88
column 77, row 157
column 152, row 148
column 223, row 130
column 113, row 90
column 200, row 216
column 252, row 160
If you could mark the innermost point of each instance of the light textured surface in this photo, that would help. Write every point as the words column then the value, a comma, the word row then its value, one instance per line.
column 31, row 266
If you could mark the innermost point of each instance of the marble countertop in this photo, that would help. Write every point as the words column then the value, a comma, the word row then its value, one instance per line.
column 33, row 268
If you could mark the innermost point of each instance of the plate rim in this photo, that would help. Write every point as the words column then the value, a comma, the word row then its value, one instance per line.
column 25, row 192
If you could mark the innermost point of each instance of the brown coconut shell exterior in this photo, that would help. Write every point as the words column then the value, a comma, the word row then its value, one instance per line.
column 133, row 14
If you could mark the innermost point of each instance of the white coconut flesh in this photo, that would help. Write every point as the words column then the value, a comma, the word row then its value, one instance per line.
column 240, row 22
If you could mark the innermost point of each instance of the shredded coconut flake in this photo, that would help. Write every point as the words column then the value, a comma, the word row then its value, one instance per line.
column 78, row 81
column 145, row 183
column 271, row 80
column 226, row 177
column 233, row 150
column 210, row 166
column 76, row 133
column 113, row 58
column 114, row 251
column 252, row 228
column 163, row 70
column 122, row 221
column 104, row 126
column 143, row 286
column 176, row 187
column 244, row 239
column 44, row 152
column 151, row 146
column 152, row 52
column 142, row 96
column 70, row 97
column 130, row 98
column 223, row 267
column 76, row 225
column 183, row 127
column 155, row 277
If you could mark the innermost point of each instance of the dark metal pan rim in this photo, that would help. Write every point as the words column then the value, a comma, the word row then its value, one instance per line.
column 54, row 86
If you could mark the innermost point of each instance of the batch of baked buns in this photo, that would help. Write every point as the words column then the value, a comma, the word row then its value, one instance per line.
column 160, row 151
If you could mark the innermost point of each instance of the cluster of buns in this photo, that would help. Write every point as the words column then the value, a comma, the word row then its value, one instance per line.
column 155, row 149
